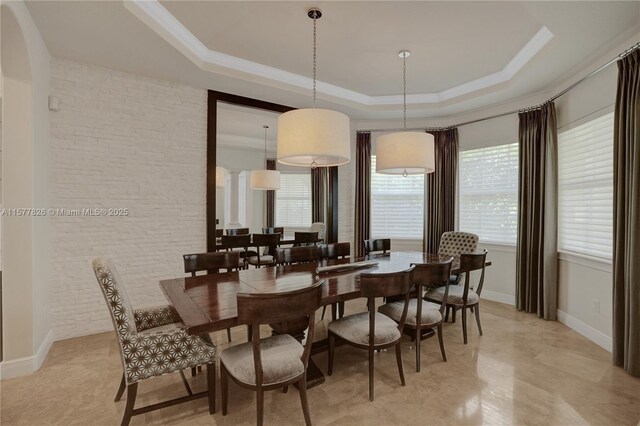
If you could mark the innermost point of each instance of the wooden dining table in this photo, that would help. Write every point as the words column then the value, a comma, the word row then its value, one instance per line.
column 207, row 303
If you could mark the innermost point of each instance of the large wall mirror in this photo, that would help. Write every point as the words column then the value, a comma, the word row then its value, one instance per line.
column 236, row 146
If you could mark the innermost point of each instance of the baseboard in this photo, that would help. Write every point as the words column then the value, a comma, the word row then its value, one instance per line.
column 27, row 365
column 499, row 297
column 597, row 337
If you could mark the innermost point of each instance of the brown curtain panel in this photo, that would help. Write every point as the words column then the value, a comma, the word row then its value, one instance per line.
column 363, row 192
column 323, row 198
column 537, row 253
column 440, row 189
column 626, row 216
column 271, row 198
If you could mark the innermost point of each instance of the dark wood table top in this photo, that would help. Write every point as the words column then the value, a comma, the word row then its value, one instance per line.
column 207, row 303
column 286, row 240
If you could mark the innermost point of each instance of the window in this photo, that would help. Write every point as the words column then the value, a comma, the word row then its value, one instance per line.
column 397, row 205
column 293, row 200
column 585, row 188
column 488, row 203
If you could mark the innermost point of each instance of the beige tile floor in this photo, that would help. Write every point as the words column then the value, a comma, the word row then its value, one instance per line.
column 522, row 371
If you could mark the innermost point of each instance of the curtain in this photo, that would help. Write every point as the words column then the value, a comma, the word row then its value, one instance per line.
column 363, row 192
column 626, row 216
column 323, row 199
column 537, row 253
column 440, row 189
column 271, row 198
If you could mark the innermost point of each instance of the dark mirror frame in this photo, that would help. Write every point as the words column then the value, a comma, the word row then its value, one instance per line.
column 212, row 120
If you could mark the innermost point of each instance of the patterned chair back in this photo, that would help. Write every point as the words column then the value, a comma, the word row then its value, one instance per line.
column 320, row 228
column 115, row 295
column 457, row 243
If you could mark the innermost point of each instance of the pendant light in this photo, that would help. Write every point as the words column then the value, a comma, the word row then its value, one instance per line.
column 221, row 173
column 313, row 137
column 405, row 153
column 266, row 180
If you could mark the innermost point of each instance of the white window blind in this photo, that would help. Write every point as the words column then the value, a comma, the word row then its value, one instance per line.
column 293, row 200
column 585, row 188
column 397, row 205
column 488, row 200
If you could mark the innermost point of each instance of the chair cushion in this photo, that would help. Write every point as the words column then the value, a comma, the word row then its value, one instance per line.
column 430, row 312
column 280, row 360
column 455, row 295
column 355, row 328
column 265, row 259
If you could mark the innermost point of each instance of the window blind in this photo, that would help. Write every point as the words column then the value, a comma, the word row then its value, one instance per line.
column 585, row 188
column 488, row 200
column 293, row 200
column 397, row 205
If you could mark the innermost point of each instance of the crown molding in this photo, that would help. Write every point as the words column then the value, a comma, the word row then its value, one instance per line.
column 167, row 26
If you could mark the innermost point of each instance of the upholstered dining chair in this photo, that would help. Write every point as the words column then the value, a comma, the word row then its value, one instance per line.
column 212, row 263
column 335, row 251
column 463, row 297
column 273, row 230
column 237, row 231
column 239, row 243
column 320, row 228
column 272, row 362
column 270, row 243
column 423, row 315
column 373, row 330
column 371, row 246
column 305, row 238
column 152, row 343
column 304, row 254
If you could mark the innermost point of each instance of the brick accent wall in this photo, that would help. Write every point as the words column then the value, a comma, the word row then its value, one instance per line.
column 122, row 141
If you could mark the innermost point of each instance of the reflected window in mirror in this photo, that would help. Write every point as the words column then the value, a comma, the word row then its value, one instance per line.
column 293, row 201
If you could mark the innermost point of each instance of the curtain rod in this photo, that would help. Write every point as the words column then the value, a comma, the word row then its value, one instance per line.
column 553, row 98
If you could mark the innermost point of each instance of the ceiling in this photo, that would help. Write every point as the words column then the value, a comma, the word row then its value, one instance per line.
column 465, row 55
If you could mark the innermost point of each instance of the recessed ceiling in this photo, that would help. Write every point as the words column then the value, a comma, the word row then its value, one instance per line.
column 241, row 127
column 453, row 44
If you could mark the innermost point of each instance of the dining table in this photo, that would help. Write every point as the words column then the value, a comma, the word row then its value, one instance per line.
column 207, row 303
column 285, row 241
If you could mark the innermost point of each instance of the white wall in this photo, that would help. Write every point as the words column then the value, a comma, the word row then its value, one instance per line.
column 26, row 301
column 122, row 141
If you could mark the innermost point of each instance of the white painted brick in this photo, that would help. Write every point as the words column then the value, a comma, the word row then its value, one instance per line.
column 121, row 140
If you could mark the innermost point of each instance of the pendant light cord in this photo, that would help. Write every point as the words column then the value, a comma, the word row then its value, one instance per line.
column 265, row 144
column 404, row 91
column 315, row 48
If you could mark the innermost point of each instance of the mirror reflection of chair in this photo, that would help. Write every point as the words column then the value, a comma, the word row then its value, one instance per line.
column 272, row 362
column 291, row 255
column 466, row 296
column 305, row 238
column 237, row 231
column 373, row 330
column 423, row 315
column 320, row 228
column 239, row 243
column 274, row 230
column 270, row 243
column 372, row 246
column 212, row 263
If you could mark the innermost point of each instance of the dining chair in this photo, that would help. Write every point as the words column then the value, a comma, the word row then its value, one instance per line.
column 463, row 297
column 305, row 238
column 274, row 230
column 152, row 342
column 373, row 330
column 320, row 228
column 241, row 242
column 219, row 233
column 336, row 250
column 272, row 362
column 371, row 246
column 238, row 231
column 270, row 243
column 291, row 255
column 212, row 263
column 423, row 315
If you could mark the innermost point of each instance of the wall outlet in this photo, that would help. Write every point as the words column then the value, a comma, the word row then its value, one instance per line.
column 596, row 306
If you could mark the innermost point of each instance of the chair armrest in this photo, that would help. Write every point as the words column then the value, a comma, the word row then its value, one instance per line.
column 156, row 316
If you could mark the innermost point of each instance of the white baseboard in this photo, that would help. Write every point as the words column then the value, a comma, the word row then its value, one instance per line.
column 586, row 330
column 499, row 297
column 27, row 365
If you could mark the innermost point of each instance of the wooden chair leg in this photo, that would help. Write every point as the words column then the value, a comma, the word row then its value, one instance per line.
column 132, row 391
column 477, row 313
column 285, row 389
column 303, row 399
column 211, row 386
column 123, row 385
column 224, row 388
column 441, row 341
column 371, row 370
column 418, row 338
column 453, row 314
column 229, row 334
column 194, row 371
column 446, row 314
column 324, row 311
column 464, row 324
column 340, row 309
column 260, row 406
column 332, row 349
column 399, row 360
